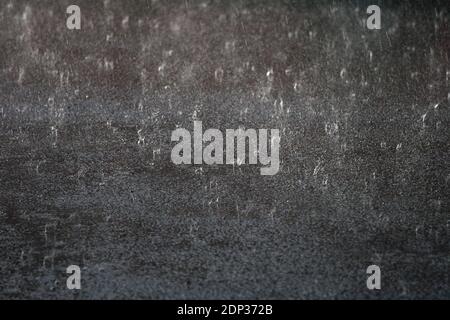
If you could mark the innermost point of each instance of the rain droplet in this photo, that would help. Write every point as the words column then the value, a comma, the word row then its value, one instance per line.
column 218, row 74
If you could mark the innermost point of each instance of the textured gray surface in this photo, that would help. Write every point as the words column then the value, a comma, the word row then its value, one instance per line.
column 365, row 171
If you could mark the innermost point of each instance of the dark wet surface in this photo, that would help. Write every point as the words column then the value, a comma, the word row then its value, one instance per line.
column 85, row 171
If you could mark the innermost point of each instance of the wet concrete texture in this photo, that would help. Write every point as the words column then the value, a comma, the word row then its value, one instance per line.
column 86, row 178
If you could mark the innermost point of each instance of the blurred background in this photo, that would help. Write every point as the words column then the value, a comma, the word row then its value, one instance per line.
column 85, row 171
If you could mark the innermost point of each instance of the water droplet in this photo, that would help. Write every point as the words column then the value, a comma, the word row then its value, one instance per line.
column 218, row 74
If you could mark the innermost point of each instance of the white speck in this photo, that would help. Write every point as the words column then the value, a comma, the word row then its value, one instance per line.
column 125, row 22
column 141, row 138
column 297, row 86
column 269, row 75
column 161, row 69
column 218, row 74
column 343, row 73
